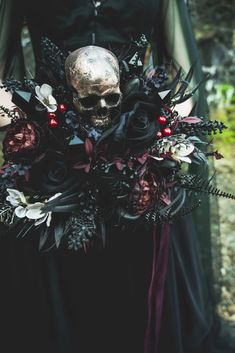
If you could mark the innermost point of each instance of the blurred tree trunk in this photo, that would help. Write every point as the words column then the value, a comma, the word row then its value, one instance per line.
column 214, row 27
column 214, row 24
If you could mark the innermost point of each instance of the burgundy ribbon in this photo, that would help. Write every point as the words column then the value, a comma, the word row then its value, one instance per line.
column 156, row 289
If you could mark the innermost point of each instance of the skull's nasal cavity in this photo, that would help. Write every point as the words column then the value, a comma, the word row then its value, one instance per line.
column 103, row 111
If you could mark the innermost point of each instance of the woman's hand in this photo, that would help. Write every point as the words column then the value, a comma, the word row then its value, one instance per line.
column 5, row 100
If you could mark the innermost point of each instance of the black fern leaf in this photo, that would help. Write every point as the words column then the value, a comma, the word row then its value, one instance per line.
column 155, row 216
column 52, row 62
column 202, row 128
column 12, row 85
column 198, row 184
column 5, row 111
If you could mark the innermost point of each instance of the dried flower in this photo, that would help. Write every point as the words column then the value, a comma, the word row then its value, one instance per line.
column 22, row 140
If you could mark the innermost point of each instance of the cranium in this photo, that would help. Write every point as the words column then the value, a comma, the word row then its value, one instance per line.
column 93, row 74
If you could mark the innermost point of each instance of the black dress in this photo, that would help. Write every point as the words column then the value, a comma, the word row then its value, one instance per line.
column 71, row 302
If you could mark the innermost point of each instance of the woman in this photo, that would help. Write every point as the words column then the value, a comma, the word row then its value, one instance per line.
column 72, row 302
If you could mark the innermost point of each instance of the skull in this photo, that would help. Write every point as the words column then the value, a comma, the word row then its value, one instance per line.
column 93, row 74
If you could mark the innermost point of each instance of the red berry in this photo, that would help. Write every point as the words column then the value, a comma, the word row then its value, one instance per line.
column 53, row 123
column 51, row 115
column 167, row 131
column 161, row 120
column 62, row 108
column 159, row 135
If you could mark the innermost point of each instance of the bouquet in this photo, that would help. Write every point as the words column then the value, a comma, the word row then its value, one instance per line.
column 98, row 141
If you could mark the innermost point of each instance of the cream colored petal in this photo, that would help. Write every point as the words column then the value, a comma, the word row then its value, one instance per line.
column 185, row 159
column 17, row 195
column 49, row 219
column 14, row 193
column 51, row 108
column 41, row 220
column 38, row 93
column 14, row 202
column 52, row 100
column 20, row 212
column 45, row 90
column 34, row 211
column 185, row 149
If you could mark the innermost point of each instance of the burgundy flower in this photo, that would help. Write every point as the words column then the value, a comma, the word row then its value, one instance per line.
column 22, row 141
column 143, row 193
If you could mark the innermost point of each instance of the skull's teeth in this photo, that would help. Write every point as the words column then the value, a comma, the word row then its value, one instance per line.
column 100, row 121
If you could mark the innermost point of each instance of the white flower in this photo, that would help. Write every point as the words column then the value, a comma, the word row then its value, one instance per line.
column 16, row 197
column 181, row 151
column 44, row 95
column 176, row 147
column 20, row 212
column 30, row 210
column 48, row 215
column 34, row 211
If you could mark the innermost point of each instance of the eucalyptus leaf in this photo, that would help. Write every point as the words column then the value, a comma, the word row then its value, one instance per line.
column 43, row 237
column 59, row 232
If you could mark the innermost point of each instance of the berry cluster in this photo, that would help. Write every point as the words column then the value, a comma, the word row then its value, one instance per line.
column 53, row 117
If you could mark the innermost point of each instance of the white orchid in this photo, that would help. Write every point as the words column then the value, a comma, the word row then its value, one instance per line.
column 16, row 197
column 32, row 211
column 44, row 95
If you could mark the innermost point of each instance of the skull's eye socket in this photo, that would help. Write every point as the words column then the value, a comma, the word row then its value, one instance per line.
column 89, row 102
column 112, row 99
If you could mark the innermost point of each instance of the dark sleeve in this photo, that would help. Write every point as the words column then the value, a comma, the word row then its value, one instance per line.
column 173, row 38
column 11, row 20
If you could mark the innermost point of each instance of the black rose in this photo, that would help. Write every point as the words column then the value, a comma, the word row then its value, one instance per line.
column 136, row 129
column 141, row 127
column 51, row 174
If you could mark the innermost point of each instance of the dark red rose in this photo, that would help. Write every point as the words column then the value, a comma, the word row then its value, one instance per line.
column 143, row 194
column 22, row 141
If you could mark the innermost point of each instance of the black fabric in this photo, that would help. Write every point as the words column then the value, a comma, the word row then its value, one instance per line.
column 73, row 23
column 71, row 302
column 66, row 302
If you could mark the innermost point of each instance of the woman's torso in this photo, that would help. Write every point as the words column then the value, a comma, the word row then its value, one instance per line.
column 74, row 23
